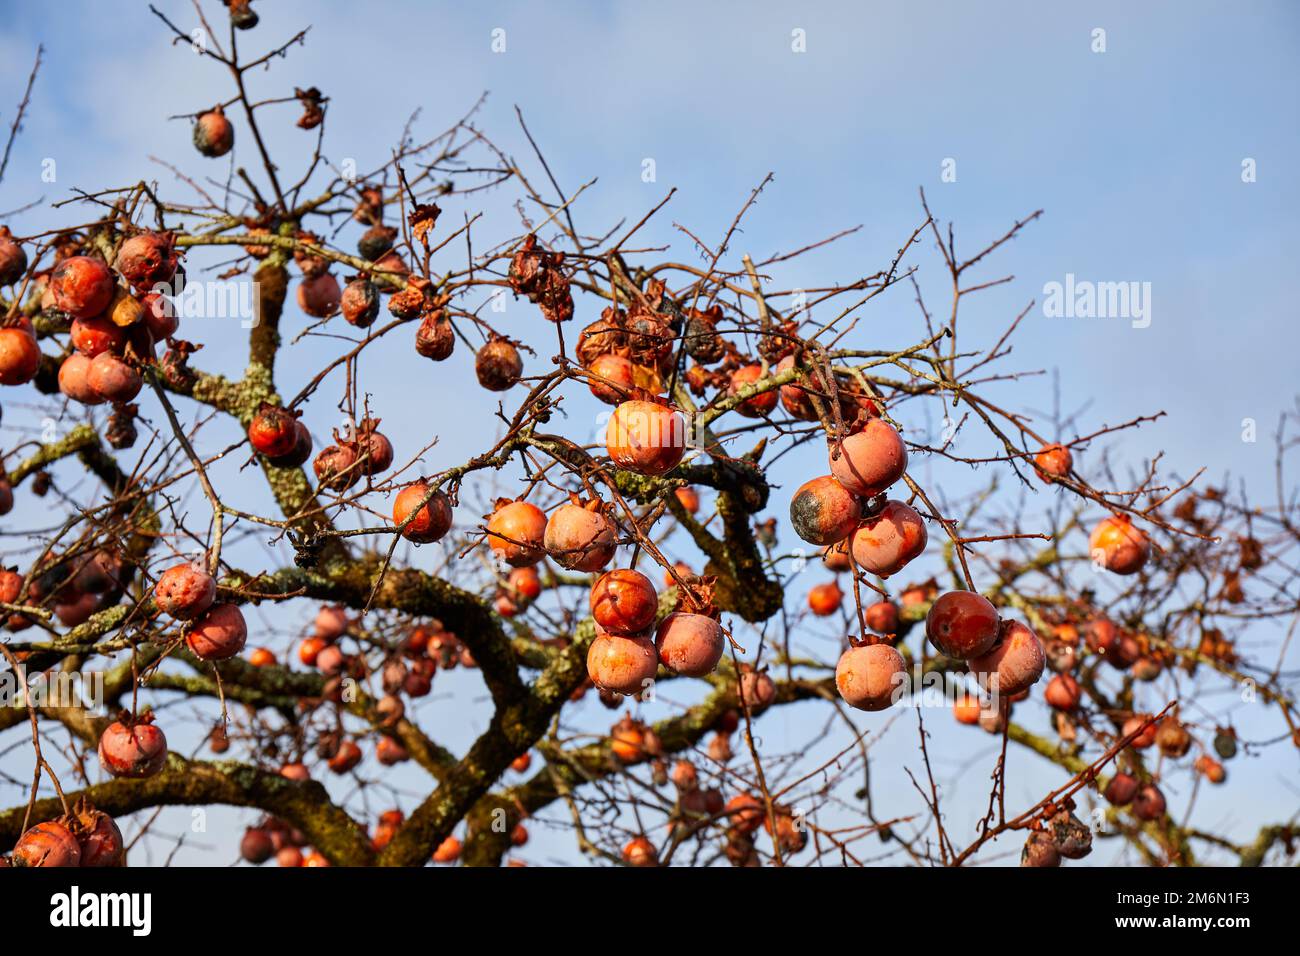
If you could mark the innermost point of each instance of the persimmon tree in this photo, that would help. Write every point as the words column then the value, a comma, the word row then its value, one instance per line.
column 565, row 572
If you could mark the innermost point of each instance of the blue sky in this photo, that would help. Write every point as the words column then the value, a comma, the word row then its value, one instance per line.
column 1135, row 154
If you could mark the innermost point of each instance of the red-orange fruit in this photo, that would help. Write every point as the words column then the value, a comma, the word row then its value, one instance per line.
column 1062, row 692
column 824, row 599
column 74, row 379
column 745, row 813
column 870, row 460
column 966, row 709
column 823, row 511
column 289, row 856
column 631, row 741
column 870, row 677
column 521, row 763
column 1121, row 789
column 624, row 665
column 836, row 557
column 319, row 296
column 13, row 258
column 431, row 520
column 273, row 431
column 448, row 851
column 1054, row 461
column 624, row 601
column 689, row 498
column 261, row 657
column 295, row 771
column 184, row 591
column 146, row 259
column 219, row 634
column 684, row 775
column 390, row 752
column 310, row 649
column 580, row 539
column 96, row 334
column 611, row 378
column 525, row 584
column 1015, row 662
column 301, row 449
column 962, row 624
column 517, row 533
column 640, row 852
column 100, row 839
column 331, row 660
column 889, row 539
column 1146, row 736
column 112, row 379
column 345, row 758
column 689, row 644
column 645, row 437
column 82, row 286
column 47, row 844
column 1149, row 804
column 1118, row 546
column 134, row 749
column 213, row 134
column 758, row 405
column 256, row 845
column 1210, row 769
column 20, row 356
column 882, row 617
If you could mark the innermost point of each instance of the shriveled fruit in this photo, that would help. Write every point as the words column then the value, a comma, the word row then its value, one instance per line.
column 646, row 437
column 1053, row 462
column 431, row 520
column 580, row 538
column 1039, row 851
column 624, row 601
column 256, row 845
column 435, row 338
column 1070, row 835
column 962, row 624
column 689, row 644
column 184, row 591
column 870, row 677
column 82, row 286
column 870, row 460
column 337, row 468
column 889, row 539
column 758, row 405
column 1013, row 664
column 376, row 450
column 745, row 813
column 823, row 511
column 133, row 748
column 213, row 134
column 517, row 533
column 624, row 665
column 498, row 365
column 219, row 634
column 360, row 303
column 1172, row 737
column 1118, row 546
